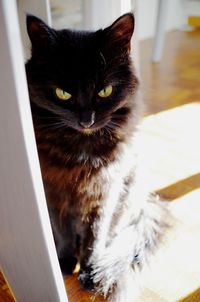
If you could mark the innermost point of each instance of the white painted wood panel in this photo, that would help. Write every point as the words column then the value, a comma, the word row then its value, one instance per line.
column 27, row 252
column 39, row 8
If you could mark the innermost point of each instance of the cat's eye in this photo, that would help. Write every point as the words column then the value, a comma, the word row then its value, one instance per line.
column 104, row 93
column 62, row 95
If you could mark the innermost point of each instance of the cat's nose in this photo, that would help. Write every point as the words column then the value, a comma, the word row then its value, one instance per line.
column 86, row 124
column 87, row 119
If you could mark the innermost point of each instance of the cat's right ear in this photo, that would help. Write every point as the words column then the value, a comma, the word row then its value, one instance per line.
column 118, row 35
column 40, row 34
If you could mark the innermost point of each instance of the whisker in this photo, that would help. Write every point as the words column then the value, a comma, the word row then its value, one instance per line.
column 110, row 128
column 52, row 126
column 49, row 118
column 114, row 123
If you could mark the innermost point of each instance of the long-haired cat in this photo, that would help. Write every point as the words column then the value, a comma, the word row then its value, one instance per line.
column 85, row 106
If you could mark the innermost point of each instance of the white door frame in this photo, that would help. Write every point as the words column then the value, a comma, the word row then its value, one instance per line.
column 27, row 251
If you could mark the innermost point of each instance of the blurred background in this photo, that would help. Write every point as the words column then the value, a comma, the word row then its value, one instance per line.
column 71, row 14
column 166, row 51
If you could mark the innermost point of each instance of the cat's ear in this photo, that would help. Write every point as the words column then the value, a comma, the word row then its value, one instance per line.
column 40, row 34
column 120, row 32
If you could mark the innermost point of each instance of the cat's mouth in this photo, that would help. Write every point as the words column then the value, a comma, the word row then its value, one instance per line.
column 91, row 130
column 88, row 131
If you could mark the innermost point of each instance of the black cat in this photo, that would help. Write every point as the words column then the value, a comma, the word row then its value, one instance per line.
column 85, row 107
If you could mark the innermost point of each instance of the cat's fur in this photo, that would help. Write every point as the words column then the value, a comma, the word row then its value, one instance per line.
column 99, row 208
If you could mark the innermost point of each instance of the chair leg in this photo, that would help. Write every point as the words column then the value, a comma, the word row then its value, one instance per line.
column 160, row 30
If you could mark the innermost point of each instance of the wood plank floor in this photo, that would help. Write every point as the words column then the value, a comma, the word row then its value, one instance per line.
column 171, row 129
column 176, row 79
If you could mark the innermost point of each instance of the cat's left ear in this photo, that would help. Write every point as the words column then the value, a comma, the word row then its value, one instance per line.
column 120, row 32
column 40, row 34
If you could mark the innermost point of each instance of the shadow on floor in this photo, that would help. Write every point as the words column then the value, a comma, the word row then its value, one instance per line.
column 180, row 188
column 193, row 297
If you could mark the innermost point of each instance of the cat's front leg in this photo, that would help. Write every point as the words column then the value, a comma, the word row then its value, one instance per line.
column 94, row 239
column 95, row 228
column 65, row 238
column 93, row 244
column 87, row 240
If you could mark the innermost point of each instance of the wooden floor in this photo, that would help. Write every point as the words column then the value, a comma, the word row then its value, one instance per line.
column 176, row 79
column 171, row 128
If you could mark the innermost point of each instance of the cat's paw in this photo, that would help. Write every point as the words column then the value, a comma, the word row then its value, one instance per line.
column 86, row 280
column 67, row 265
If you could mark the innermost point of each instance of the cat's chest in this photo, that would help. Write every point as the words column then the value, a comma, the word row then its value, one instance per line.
column 86, row 184
column 81, row 181
column 81, row 188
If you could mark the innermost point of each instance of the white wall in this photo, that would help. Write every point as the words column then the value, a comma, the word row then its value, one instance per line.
column 69, row 13
column 147, row 11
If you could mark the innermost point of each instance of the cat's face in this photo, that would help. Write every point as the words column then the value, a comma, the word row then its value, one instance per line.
column 81, row 80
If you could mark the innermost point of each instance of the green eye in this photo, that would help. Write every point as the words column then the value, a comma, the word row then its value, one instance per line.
column 104, row 93
column 62, row 95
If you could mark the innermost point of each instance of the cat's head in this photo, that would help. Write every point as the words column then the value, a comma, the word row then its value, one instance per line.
column 83, row 81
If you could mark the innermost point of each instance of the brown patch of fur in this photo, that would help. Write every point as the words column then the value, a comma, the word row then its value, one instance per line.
column 74, row 182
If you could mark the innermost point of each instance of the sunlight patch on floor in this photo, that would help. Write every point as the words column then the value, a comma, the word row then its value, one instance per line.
column 171, row 139
column 175, row 270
